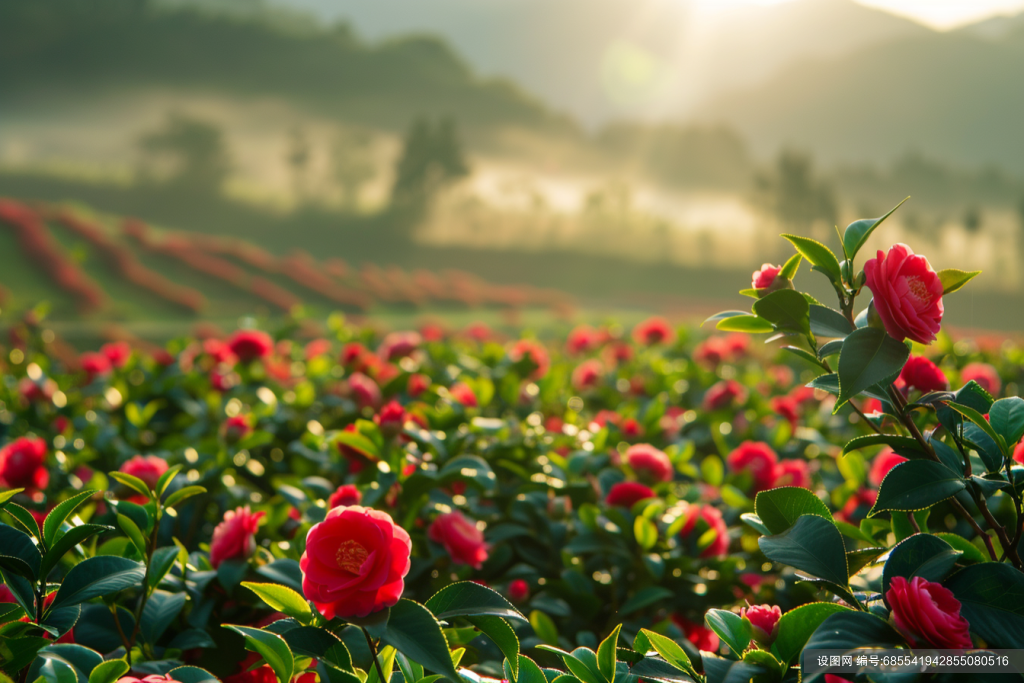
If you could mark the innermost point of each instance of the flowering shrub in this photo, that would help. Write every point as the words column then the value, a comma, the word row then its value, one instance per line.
column 424, row 505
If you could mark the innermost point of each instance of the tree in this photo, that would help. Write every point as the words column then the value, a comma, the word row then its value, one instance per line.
column 298, row 156
column 187, row 153
column 352, row 163
column 431, row 158
column 793, row 193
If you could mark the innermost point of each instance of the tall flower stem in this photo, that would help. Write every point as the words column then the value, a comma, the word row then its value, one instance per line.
column 373, row 651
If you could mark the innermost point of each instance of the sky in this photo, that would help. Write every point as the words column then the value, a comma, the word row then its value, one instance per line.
column 940, row 14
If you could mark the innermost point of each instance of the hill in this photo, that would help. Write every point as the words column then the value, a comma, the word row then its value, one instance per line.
column 70, row 49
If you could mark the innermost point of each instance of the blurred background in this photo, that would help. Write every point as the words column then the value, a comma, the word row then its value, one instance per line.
column 165, row 162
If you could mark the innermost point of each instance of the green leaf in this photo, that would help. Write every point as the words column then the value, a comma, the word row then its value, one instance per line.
column 163, row 560
column 607, row 656
column 900, row 444
column 832, row 348
column 750, row 324
column 646, row 532
column 830, row 383
column 953, row 279
column 848, row 630
column 502, row 635
column 922, row 555
column 413, row 631
column 182, row 494
column 797, row 625
column 166, row 478
column 857, row 233
column 733, row 629
column 161, row 609
column 19, row 652
column 916, row 485
column 991, row 598
column 544, row 627
column 271, row 647
column 386, row 656
column 465, row 598
column 21, row 588
column 790, row 267
column 979, row 419
column 319, row 643
column 869, row 356
column 780, row 508
column 523, row 670
column 1007, row 418
column 191, row 674
column 98, row 576
column 358, row 442
column 18, row 553
column 723, row 315
column 60, row 513
column 132, row 482
column 818, row 254
column 71, row 538
column 7, row 495
column 134, row 534
column 282, row 599
column 786, row 310
column 669, row 650
column 24, row 518
column 857, row 560
column 971, row 552
column 645, row 597
column 755, row 523
column 805, row 355
column 110, row 671
column 813, row 545
column 721, row 670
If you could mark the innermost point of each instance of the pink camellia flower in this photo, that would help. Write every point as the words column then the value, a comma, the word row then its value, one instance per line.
column 399, row 345
column 757, row 458
column 32, row 391
column 698, row 522
column 703, row 638
column 653, row 331
column 364, row 390
column 478, row 331
column 391, row 418
column 316, row 348
column 927, row 614
column 518, row 590
column 250, row 345
column 94, row 365
column 355, row 562
column 907, row 294
column 117, row 353
column 792, row 473
column 587, row 375
column 738, row 344
column 711, row 352
column 724, row 394
column 154, row 678
column 346, row 496
column 765, row 277
column 922, row 374
column 857, row 505
column 882, row 464
column 649, row 462
column 626, row 494
column 462, row 393
column 532, row 354
column 618, row 352
column 236, row 428
column 832, row 678
column 23, row 464
column 460, row 538
column 582, row 339
column 352, row 355
column 148, row 468
column 235, row 537
column 417, row 385
column 786, row 407
column 984, row 374
column 631, row 429
column 765, row 622
column 1018, row 453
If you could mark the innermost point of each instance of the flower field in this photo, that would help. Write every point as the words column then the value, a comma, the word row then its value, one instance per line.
column 659, row 503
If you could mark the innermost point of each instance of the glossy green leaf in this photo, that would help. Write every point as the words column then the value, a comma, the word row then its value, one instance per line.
column 818, row 254
column 828, row 323
column 523, row 670
column 18, row 553
column 282, row 599
column 319, row 643
column 7, row 495
column 922, row 555
column 1007, row 418
column 791, row 265
column 901, row 444
column 191, row 674
column 857, row 233
column 134, row 534
column 669, row 650
column 183, row 494
column 869, row 356
column 59, row 514
column 413, row 631
column 67, row 541
column 24, row 518
column 797, row 625
column 848, row 630
column 166, row 478
column 502, row 635
column 952, row 279
column 979, row 419
column 466, row 598
column 785, row 309
column 98, row 576
column 991, row 598
column 132, row 482
column 780, row 508
column 271, row 647
column 750, row 324
column 110, row 671
column 733, row 629
column 723, row 315
column 646, row 532
column 916, row 485
column 812, row 544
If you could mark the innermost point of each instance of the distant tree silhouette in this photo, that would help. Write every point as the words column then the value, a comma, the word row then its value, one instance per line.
column 793, row 193
column 972, row 219
column 298, row 157
column 187, row 153
column 431, row 158
column 352, row 163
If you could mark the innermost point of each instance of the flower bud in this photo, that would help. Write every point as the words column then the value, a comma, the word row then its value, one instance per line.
column 769, row 279
column 846, row 270
column 764, row 620
column 874, row 320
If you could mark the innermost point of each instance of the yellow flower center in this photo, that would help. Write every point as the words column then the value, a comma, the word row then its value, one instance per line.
column 351, row 556
column 919, row 289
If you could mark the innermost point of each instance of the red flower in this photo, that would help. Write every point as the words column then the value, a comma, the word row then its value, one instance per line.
column 460, row 538
column 738, row 344
column 417, row 385
column 618, row 352
column 356, row 460
column 364, row 390
column 399, row 345
column 249, row 345
column 708, row 518
column 153, row 678
column 724, row 394
column 786, row 407
column 922, row 374
column 857, row 505
column 927, row 614
column 631, row 429
column 653, row 331
column 703, row 638
column 346, row 496
column 23, row 464
column 518, row 590
column 352, row 355
column 884, row 461
column 765, row 622
column 355, row 562
column 649, row 463
column 94, row 365
column 391, row 418
column 478, row 331
column 236, row 428
column 587, row 375
column 626, row 494
column 246, row 674
column 235, row 537
column 757, row 458
column 1018, row 453
column 532, row 355
column 907, row 294
column 317, row 348
column 984, row 374
column 765, row 278
column 36, row 391
column 792, row 473
column 148, row 468
column 711, row 352
column 582, row 339
column 462, row 393
column 117, row 353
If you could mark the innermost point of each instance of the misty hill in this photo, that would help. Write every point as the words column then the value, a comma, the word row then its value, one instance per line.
column 603, row 59
column 77, row 48
column 955, row 96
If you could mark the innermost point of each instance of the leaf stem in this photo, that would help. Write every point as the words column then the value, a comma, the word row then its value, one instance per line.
column 373, row 651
